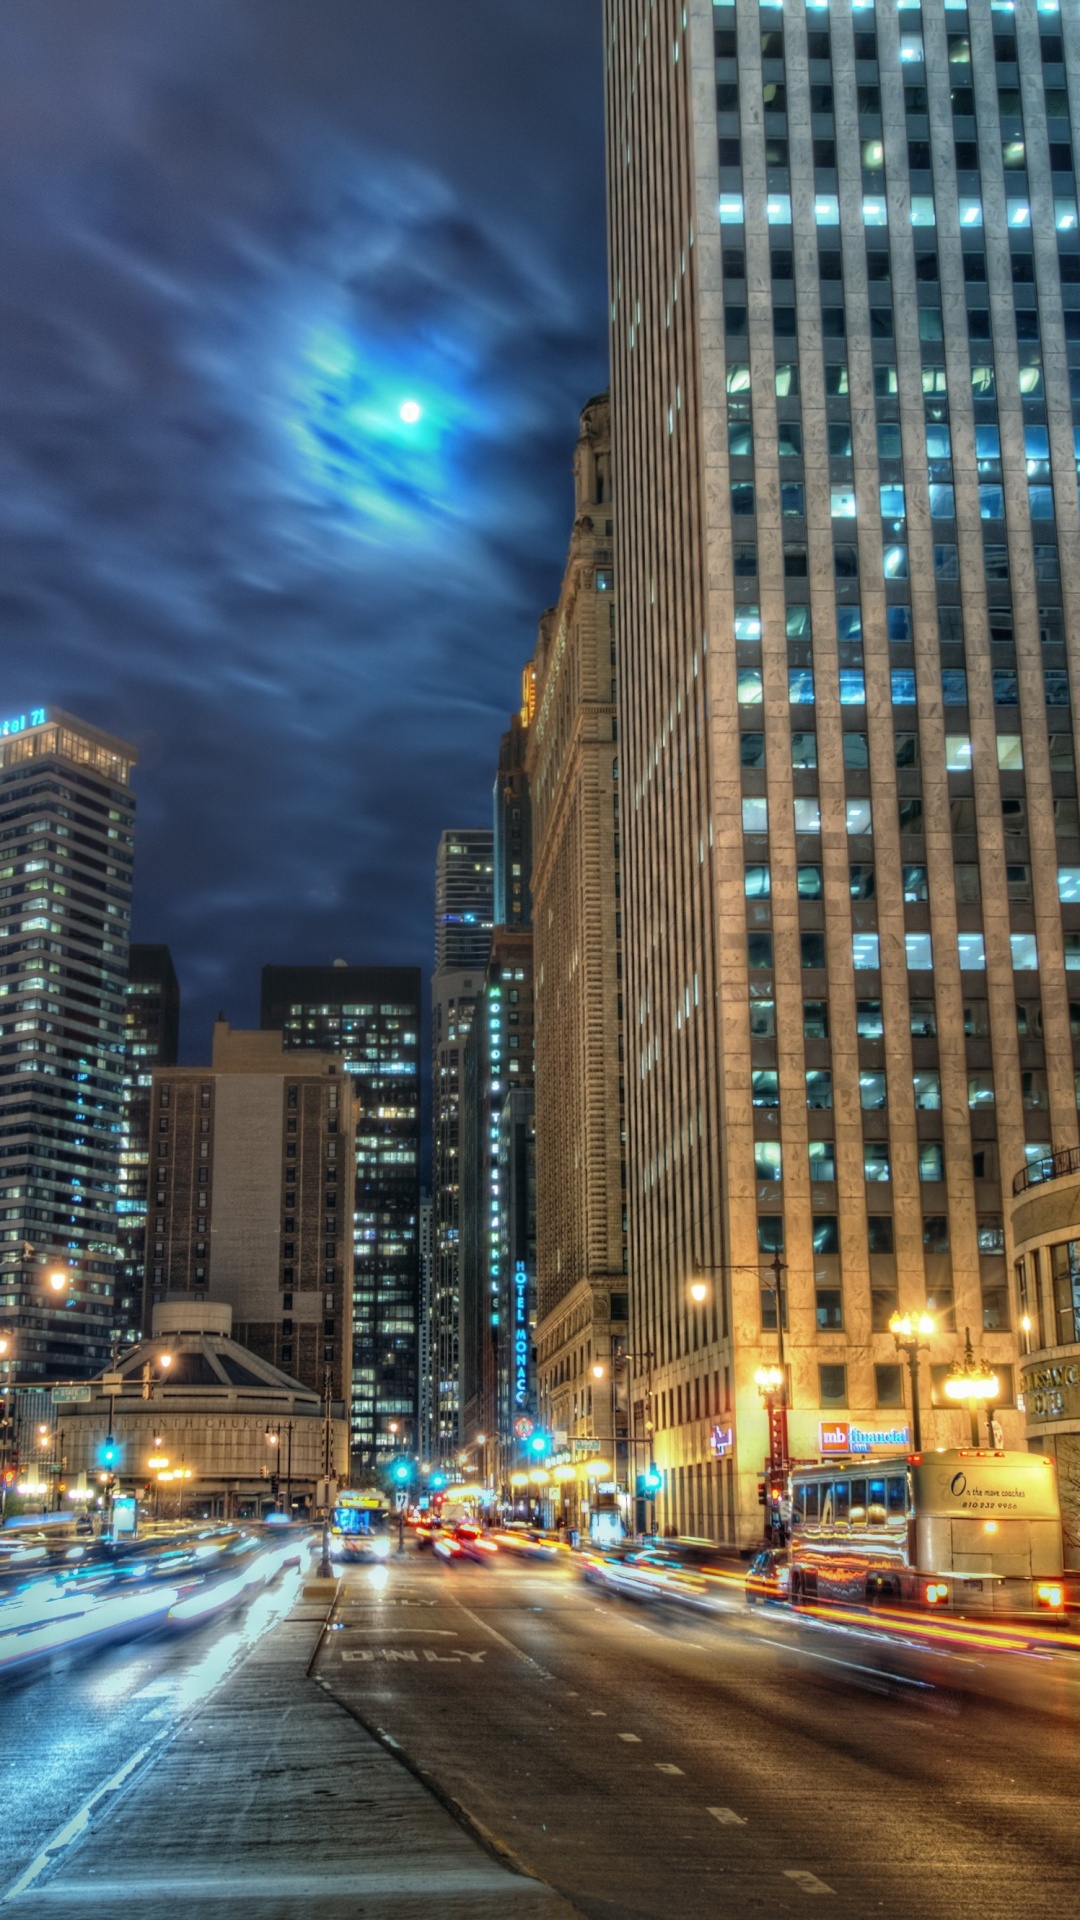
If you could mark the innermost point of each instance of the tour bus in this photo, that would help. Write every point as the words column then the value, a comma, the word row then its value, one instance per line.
column 962, row 1531
column 359, row 1527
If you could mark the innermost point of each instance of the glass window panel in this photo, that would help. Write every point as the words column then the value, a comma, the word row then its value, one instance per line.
column 858, row 816
column 755, row 813
column 808, row 883
column 749, row 685
column 872, row 1092
column 864, row 950
column 971, row 948
column 1025, row 956
column 919, row 951
column 927, row 1087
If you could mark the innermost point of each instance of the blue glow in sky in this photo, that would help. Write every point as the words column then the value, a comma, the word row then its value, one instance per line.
column 237, row 240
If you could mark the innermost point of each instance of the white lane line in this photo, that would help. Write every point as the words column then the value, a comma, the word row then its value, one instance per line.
column 597, row 1713
column 508, row 1644
column 80, row 1820
column 666, row 1766
column 850, row 1666
column 727, row 1816
column 635, row 1738
column 807, row 1882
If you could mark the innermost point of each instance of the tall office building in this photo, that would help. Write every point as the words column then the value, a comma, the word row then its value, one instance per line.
column 845, row 285
column 249, row 1188
column 498, row 1229
column 66, row 819
column 151, row 1039
column 425, row 1444
column 572, row 763
column 371, row 1016
column 464, row 902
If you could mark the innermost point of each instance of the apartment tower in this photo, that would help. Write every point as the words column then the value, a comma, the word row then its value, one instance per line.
column 464, row 906
column 573, row 768
column 845, row 312
column 66, row 844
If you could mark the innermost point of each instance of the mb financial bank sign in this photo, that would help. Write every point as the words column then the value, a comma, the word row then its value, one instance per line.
column 843, row 1436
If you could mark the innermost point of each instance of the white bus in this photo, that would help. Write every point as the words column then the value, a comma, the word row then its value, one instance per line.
column 957, row 1531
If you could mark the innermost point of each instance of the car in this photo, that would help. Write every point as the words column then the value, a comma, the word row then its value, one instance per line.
column 473, row 1542
column 768, row 1577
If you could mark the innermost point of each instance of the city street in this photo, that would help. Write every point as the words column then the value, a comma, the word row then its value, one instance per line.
column 653, row 1762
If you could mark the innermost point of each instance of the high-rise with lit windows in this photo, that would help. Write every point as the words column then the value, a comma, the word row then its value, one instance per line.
column 845, row 314
column 464, row 903
column 66, row 820
column 371, row 1016
column 151, row 1039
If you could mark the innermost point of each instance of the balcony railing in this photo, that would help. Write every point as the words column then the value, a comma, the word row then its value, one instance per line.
column 1053, row 1167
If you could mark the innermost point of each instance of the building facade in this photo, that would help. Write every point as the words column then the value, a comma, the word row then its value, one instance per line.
column 371, row 1016
column 425, row 1443
column 66, row 850
column 464, row 907
column 845, row 268
column 249, row 1193
column 1045, row 1221
column 222, row 1433
column 151, row 1039
column 498, row 1274
column 512, row 814
column 572, row 764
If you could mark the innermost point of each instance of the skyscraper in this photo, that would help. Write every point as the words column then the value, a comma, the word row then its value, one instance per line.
column 151, row 1039
column 572, row 762
column 371, row 1016
column 464, row 902
column 249, row 1187
column 66, row 843
column 845, row 281
column 498, row 1208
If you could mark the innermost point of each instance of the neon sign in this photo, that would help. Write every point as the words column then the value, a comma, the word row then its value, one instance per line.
column 19, row 723
column 521, row 1335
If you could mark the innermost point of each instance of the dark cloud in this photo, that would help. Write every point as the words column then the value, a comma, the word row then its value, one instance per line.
column 232, row 240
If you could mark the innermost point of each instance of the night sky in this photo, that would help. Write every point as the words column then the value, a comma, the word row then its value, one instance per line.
column 235, row 237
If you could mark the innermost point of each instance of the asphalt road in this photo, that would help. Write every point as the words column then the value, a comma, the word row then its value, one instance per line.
column 71, row 1724
column 652, row 1763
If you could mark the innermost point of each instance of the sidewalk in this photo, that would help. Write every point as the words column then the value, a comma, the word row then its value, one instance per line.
column 272, row 1803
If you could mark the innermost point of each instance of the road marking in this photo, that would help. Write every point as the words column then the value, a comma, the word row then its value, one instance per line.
column 850, row 1666
column 665, row 1766
column 79, row 1821
column 808, row 1882
column 403, row 1633
column 597, row 1713
column 508, row 1644
column 635, row 1737
column 366, row 1655
column 727, row 1816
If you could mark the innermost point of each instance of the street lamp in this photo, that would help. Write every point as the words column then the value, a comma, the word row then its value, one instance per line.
column 970, row 1380
column 911, row 1331
column 273, row 1439
column 771, row 1383
column 699, row 1292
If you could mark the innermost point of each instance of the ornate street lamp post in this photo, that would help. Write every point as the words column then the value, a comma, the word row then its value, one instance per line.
column 970, row 1380
column 912, row 1331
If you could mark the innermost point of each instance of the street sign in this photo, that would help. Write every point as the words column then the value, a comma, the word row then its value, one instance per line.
column 582, row 1449
column 112, row 1382
column 62, row 1396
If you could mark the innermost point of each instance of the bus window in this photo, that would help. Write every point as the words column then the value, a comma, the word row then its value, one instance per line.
column 828, row 1507
column 897, row 1491
column 875, row 1512
column 812, row 1503
column 858, row 1503
column 841, row 1501
column 797, row 1497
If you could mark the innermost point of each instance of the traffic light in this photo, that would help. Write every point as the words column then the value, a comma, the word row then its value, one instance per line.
column 438, row 1480
column 401, row 1473
column 653, row 1480
column 110, row 1453
column 538, row 1441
